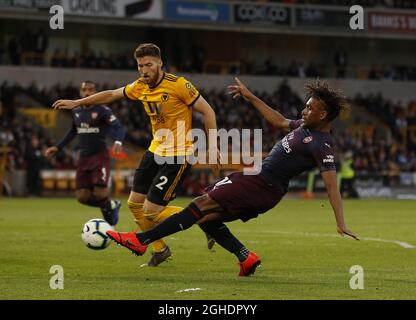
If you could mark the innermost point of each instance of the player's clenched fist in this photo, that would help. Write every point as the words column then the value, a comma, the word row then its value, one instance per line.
column 65, row 104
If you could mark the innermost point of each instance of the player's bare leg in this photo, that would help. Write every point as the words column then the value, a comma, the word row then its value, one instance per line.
column 99, row 197
column 101, row 192
column 111, row 213
column 83, row 195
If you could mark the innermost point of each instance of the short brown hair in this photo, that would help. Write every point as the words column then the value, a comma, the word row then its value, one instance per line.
column 334, row 101
column 147, row 49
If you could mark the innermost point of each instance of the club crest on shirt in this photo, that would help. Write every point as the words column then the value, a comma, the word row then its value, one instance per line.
column 307, row 139
column 165, row 97
column 94, row 115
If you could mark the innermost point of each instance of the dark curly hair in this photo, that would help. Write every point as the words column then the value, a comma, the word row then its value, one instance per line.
column 334, row 101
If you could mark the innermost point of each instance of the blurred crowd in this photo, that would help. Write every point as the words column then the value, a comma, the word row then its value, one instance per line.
column 396, row 72
column 32, row 48
column 372, row 152
column 396, row 115
column 93, row 60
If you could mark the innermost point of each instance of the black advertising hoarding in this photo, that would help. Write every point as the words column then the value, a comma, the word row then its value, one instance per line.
column 141, row 9
column 250, row 13
column 314, row 17
column 29, row 4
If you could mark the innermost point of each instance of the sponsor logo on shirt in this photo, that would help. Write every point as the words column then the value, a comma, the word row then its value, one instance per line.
column 112, row 118
column 85, row 128
column 329, row 158
column 88, row 130
column 285, row 142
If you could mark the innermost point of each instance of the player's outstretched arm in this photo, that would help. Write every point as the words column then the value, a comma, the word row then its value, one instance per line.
column 102, row 97
column 330, row 180
column 271, row 115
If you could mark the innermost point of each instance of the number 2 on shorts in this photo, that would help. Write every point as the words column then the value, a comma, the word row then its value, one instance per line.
column 161, row 184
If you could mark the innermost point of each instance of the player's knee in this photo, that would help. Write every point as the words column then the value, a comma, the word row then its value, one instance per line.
column 209, row 210
column 101, row 193
column 83, row 197
column 201, row 201
column 151, row 214
column 151, row 211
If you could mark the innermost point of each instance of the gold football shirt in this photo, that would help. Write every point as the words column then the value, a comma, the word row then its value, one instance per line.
column 168, row 105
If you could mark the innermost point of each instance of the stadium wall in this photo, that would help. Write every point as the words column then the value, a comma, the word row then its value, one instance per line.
column 48, row 77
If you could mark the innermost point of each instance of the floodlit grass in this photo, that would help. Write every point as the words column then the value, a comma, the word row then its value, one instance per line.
column 302, row 256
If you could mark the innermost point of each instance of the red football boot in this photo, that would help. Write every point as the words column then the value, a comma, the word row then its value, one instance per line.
column 128, row 240
column 249, row 266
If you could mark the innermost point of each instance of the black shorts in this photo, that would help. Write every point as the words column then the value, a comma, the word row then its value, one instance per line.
column 244, row 196
column 159, row 181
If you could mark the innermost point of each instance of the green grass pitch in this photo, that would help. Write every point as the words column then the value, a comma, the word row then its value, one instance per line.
column 303, row 258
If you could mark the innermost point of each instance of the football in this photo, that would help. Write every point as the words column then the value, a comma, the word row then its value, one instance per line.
column 94, row 234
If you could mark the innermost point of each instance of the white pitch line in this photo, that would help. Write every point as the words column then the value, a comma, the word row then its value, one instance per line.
column 188, row 290
column 400, row 243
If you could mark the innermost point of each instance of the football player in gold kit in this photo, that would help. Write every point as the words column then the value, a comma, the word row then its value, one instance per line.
column 169, row 102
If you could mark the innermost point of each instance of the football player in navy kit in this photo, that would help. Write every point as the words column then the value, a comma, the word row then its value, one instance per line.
column 308, row 144
column 92, row 124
